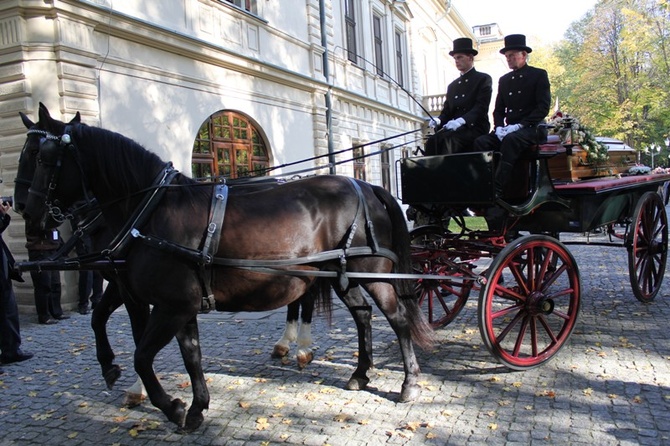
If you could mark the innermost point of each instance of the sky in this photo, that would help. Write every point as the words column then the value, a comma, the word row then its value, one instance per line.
column 546, row 21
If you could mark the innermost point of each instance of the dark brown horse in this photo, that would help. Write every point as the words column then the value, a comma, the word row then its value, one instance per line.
column 113, row 296
column 274, row 245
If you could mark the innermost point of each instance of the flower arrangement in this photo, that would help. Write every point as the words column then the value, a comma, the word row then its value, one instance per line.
column 571, row 132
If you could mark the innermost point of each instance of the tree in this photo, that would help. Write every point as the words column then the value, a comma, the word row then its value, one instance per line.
column 615, row 70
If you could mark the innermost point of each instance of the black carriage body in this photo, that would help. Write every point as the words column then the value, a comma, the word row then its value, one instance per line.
column 462, row 179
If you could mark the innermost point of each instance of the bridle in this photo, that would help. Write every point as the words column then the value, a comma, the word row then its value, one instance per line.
column 64, row 143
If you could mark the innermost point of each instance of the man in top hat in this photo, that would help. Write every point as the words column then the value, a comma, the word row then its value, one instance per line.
column 464, row 116
column 523, row 102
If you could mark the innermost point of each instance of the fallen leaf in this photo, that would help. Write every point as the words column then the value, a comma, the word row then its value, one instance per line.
column 412, row 426
column 341, row 418
column 262, row 424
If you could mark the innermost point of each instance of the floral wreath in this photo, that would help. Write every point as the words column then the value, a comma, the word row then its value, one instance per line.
column 570, row 131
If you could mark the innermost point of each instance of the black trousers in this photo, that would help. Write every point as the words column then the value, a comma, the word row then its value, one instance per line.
column 511, row 147
column 47, row 288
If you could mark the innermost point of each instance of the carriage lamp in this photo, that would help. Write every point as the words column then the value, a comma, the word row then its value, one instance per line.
column 567, row 140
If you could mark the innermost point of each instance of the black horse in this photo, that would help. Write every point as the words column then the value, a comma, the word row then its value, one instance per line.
column 113, row 296
column 334, row 231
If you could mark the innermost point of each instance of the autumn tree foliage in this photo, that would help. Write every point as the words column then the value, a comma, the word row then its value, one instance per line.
column 612, row 69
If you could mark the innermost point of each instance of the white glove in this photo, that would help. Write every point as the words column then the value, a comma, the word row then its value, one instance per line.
column 501, row 132
column 454, row 124
column 435, row 122
column 512, row 128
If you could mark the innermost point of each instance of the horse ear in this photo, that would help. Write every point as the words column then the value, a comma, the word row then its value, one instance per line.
column 43, row 114
column 77, row 118
column 26, row 121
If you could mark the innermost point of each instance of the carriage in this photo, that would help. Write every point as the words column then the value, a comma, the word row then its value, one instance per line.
column 529, row 285
column 175, row 251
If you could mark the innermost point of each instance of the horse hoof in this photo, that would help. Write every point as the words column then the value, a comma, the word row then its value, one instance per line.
column 409, row 393
column 357, row 383
column 133, row 399
column 193, row 421
column 280, row 351
column 304, row 358
column 177, row 413
column 111, row 375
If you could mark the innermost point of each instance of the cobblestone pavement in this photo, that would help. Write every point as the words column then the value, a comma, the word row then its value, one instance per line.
column 609, row 385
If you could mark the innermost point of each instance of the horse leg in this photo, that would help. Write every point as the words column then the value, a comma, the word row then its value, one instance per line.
column 139, row 317
column 109, row 302
column 305, row 354
column 282, row 346
column 164, row 324
column 362, row 314
column 189, row 345
column 396, row 313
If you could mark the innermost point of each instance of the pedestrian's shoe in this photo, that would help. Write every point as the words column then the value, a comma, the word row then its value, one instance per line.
column 60, row 317
column 47, row 321
column 17, row 357
column 83, row 309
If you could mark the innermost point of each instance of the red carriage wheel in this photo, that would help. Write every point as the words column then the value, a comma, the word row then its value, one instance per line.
column 648, row 247
column 441, row 300
column 529, row 305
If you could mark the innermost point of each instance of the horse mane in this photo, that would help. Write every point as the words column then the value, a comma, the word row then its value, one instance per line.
column 117, row 153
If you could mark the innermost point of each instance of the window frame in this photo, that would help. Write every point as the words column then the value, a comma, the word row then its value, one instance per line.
column 378, row 42
column 399, row 35
column 350, row 30
column 231, row 145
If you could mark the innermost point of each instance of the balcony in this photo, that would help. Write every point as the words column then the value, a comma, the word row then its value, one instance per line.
column 434, row 103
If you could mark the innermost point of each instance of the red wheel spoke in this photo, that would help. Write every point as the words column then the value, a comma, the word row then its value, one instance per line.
column 505, row 331
column 519, row 339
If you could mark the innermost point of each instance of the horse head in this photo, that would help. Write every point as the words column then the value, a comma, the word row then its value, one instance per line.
column 28, row 158
column 40, row 135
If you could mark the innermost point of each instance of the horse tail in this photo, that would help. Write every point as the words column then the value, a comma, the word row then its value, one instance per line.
column 422, row 333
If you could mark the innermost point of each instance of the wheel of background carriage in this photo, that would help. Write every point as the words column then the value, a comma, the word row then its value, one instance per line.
column 529, row 305
column 441, row 300
column 648, row 247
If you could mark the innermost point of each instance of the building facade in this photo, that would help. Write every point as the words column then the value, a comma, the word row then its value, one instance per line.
column 229, row 87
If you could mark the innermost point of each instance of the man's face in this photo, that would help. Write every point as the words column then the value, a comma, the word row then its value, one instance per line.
column 463, row 61
column 515, row 59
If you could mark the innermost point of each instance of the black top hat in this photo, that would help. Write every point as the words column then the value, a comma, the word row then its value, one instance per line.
column 463, row 45
column 515, row 42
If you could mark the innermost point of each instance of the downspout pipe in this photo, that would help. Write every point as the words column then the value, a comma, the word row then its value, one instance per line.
column 326, row 74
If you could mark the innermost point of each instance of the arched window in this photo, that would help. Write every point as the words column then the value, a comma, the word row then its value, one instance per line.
column 229, row 145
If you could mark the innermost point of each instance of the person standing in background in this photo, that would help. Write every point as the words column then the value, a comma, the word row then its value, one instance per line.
column 42, row 245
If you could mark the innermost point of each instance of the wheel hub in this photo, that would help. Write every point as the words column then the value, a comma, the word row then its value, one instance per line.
column 539, row 303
